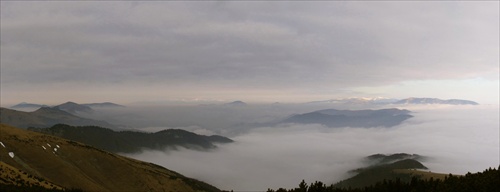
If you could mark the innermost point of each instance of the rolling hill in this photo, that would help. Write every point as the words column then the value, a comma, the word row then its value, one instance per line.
column 381, row 167
column 69, row 164
column 354, row 118
column 102, row 105
column 74, row 108
column 46, row 117
column 24, row 105
column 132, row 141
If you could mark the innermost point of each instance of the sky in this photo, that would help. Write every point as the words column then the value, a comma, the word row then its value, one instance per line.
column 255, row 51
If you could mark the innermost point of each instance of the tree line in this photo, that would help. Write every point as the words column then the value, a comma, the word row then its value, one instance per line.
column 486, row 181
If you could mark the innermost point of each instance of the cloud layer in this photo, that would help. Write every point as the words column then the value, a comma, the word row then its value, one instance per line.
column 220, row 48
column 272, row 157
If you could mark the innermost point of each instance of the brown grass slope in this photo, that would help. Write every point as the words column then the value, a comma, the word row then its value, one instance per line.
column 13, row 176
column 75, row 165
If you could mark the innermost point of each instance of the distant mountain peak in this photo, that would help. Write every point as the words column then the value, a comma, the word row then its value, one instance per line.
column 357, row 100
column 352, row 118
column 384, row 100
column 426, row 100
column 52, row 111
column 72, row 107
column 236, row 103
column 104, row 104
column 27, row 105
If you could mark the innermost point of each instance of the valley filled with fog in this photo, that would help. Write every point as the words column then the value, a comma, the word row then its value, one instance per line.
column 267, row 154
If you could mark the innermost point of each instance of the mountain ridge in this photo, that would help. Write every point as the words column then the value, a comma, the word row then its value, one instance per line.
column 46, row 117
column 393, row 101
column 134, row 141
column 74, row 108
column 352, row 118
column 71, row 164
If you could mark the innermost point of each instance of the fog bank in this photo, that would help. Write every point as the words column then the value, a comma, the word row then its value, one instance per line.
column 458, row 140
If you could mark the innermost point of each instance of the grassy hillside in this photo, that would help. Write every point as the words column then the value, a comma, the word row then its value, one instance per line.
column 131, row 141
column 10, row 175
column 70, row 164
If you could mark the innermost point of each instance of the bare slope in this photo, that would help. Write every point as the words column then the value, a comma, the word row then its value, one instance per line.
column 71, row 164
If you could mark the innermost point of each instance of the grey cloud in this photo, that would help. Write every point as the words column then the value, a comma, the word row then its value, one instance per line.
column 248, row 44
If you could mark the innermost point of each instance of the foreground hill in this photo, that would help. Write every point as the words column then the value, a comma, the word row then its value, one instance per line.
column 131, row 141
column 45, row 117
column 384, row 167
column 403, row 172
column 68, row 164
column 356, row 118
column 485, row 181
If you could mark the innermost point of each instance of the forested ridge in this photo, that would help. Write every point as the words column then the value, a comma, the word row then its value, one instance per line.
column 486, row 181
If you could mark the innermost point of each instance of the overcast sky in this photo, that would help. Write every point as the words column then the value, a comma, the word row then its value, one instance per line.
column 125, row 51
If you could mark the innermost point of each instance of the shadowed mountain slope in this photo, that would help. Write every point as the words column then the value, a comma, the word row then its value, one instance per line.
column 74, row 108
column 102, row 105
column 356, row 118
column 131, row 141
column 70, row 164
column 46, row 117
column 27, row 105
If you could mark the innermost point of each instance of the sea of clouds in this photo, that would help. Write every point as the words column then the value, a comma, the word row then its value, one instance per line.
column 457, row 139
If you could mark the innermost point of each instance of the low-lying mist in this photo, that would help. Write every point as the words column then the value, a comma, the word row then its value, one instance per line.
column 458, row 139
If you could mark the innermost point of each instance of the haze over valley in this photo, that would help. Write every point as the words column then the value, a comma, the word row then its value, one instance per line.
column 249, row 95
column 263, row 148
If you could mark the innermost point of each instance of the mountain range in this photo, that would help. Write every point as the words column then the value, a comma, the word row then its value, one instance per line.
column 74, row 108
column 133, row 141
column 70, row 107
column 30, row 158
column 389, row 101
column 27, row 105
column 352, row 118
column 235, row 104
column 46, row 117
column 430, row 101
